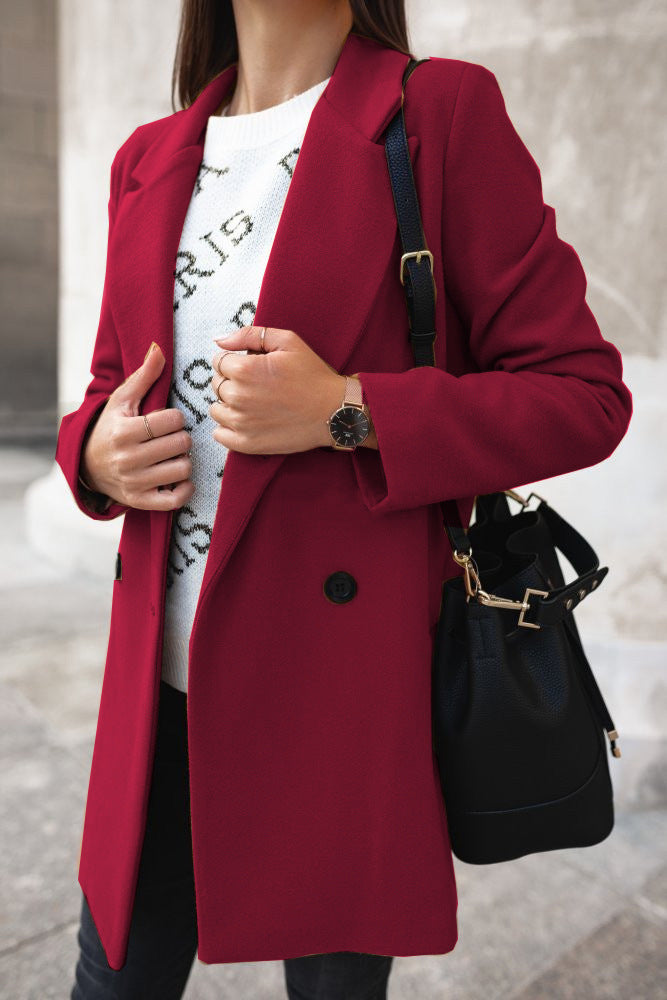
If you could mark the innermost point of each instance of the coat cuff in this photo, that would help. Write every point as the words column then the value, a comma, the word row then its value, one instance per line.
column 441, row 436
column 384, row 474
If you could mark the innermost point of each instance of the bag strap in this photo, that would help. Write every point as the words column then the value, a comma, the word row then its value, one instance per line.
column 416, row 267
column 416, row 270
column 416, row 274
column 561, row 601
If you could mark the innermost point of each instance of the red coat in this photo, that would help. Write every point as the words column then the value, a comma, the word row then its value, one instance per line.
column 317, row 818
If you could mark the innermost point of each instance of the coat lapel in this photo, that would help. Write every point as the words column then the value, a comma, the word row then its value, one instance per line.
column 334, row 242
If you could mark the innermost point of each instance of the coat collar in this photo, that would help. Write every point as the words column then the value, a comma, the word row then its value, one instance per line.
column 365, row 90
column 333, row 245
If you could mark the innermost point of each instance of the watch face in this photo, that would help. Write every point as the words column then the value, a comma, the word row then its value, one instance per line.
column 349, row 426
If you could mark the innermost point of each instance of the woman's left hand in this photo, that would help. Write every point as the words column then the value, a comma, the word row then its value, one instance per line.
column 275, row 402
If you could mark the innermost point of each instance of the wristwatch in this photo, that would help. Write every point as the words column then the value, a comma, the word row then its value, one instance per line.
column 350, row 424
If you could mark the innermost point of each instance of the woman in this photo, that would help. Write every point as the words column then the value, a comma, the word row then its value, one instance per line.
column 263, row 784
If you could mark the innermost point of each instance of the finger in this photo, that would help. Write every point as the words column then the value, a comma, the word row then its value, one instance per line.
column 218, row 385
column 228, row 363
column 225, row 391
column 221, row 413
column 172, row 470
column 161, row 422
column 249, row 337
column 130, row 392
column 161, row 448
column 165, row 498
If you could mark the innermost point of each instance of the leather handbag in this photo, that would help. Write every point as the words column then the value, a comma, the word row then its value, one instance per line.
column 519, row 721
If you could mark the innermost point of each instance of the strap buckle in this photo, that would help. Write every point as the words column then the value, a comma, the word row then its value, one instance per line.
column 474, row 590
column 417, row 254
column 492, row 601
column 538, row 593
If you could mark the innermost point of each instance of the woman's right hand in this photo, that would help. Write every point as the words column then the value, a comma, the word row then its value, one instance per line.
column 119, row 460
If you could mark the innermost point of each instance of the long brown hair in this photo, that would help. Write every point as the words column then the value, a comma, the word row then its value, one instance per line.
column 207, row 41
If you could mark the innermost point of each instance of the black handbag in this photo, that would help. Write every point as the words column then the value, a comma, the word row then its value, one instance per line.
column 519, row 722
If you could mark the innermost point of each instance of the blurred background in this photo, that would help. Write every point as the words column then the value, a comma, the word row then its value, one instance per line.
column 584, row 85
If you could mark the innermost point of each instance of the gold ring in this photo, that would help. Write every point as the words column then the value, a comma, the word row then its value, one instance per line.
column 261, row 340
column 223, row 379
column 148, row 427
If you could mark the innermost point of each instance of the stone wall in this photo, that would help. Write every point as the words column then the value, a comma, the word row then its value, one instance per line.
column 584, row 85
column 28, row 220
column 115, row 74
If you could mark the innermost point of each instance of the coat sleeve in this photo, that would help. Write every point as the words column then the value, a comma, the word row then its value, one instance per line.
column 548, row 397
column 107, row 371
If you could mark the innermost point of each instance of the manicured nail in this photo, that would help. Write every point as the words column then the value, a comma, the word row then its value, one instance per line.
column 152, row 347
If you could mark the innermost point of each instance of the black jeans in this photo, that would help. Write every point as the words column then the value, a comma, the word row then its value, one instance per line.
column 163, row 932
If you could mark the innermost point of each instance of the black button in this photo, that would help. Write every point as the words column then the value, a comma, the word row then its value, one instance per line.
column 340, row 587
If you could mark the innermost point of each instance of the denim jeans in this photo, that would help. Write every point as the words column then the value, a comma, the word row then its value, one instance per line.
column 163, row 931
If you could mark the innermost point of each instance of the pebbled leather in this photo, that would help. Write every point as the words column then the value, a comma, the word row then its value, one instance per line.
column 420, row 287
column 517, row 712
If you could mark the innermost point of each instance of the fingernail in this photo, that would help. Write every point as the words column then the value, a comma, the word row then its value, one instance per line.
column 152, row 347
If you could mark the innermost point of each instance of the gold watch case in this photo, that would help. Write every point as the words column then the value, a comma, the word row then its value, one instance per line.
column 349, row 425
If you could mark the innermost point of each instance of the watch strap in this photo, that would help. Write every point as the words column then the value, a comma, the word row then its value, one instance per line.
column 353, row 394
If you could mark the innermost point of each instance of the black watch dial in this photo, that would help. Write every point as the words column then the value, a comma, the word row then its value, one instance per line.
column 349, row 426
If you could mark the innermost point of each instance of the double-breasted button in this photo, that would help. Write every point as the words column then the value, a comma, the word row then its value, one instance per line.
column 340, row 587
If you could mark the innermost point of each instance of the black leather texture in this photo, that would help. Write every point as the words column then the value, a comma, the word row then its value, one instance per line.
column 518, row 718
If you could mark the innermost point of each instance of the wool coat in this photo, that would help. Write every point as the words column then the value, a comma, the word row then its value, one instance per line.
column 318, row 822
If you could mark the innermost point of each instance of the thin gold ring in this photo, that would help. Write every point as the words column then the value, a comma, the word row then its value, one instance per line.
column 218, row 387
column 217, row 364
column 261, row 340
column 148, row 427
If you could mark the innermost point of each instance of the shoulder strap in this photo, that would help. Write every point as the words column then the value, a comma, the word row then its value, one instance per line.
column 416, row 274
column 416, row 268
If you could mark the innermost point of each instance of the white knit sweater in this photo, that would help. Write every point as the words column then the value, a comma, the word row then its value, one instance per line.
column 247, row 164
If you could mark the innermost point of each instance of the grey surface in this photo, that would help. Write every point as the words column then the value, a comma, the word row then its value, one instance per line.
column 29, row 219
column 568, row 924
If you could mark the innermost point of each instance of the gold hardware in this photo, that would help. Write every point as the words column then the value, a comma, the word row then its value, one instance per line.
column 517, row 496
column 417, row 254
column 493, row 601
column 473, row 583
column 569, row 602
column 470, row 570
column 529, row 590
column 582, row 594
